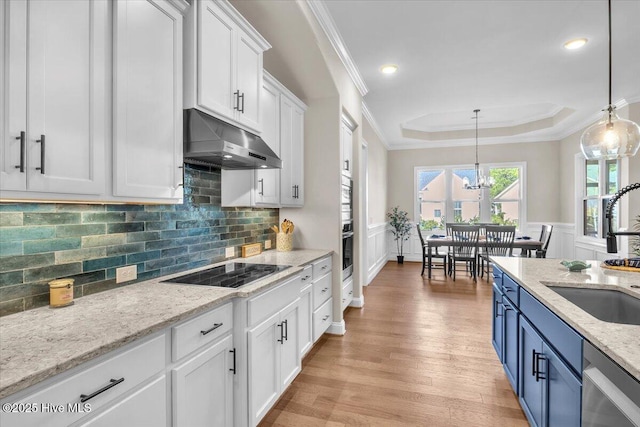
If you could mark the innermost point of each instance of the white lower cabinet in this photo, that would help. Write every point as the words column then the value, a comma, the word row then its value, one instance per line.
column 146, row 407
column 306, row 311
column 202, row 387
column 274, row 359
column 113, row 381
column 322, row 297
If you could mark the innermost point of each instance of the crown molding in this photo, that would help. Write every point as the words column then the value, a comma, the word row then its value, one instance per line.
column 323, row 17
column 369, row 117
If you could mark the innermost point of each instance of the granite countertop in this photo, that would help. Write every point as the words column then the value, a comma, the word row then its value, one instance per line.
column 618, row 341
column 40, row 343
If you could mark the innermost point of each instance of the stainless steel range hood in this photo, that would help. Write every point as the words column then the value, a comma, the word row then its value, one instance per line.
column 212, row 142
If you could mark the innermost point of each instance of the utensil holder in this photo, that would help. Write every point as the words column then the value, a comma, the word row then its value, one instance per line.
column 284, row 242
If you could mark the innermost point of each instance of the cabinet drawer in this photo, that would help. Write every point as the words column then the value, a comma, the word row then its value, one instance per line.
column 321, row 267
column 510, row 289
column 497, row 275
column 202, row 330
column 322, row 319
column 264, row 305
column 123, row 371
column 347, row 293
column 321, row 290
column 560, row 335
column 306, row 276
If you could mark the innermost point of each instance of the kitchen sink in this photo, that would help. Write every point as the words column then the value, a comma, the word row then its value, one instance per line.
column 604, row 304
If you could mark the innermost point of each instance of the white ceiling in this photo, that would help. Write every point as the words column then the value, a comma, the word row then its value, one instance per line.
column 503, row 57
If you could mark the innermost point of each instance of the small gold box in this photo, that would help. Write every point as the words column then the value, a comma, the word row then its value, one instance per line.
column 251, row 250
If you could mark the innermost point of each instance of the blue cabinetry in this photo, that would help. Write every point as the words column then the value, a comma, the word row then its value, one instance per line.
column 540, row 353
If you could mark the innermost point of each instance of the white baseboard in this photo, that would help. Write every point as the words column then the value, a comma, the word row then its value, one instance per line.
column 357, row 302
column 337, row 328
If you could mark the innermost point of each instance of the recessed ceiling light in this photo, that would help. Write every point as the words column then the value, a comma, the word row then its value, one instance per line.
column 389, row 69
column 263, row 166
column 227, row 156
column 575, row 43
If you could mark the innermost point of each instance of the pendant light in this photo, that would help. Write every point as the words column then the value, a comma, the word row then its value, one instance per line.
column 612, row 137
column 481, row 180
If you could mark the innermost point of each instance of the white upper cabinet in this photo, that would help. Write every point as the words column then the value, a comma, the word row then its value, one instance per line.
column 267, row 181
column 54, row 114
column 223, row 63
column 346, row 143
column 147, row 104
column 292, row 150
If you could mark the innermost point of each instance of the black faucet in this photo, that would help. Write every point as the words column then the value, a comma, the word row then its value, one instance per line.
column 612, row 244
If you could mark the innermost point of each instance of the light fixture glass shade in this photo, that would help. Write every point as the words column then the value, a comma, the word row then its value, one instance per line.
column 610, row 138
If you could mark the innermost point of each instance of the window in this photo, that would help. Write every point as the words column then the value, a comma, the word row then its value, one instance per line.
column 601, row 182
column 442, row 197
column 431, row 187
column 505, row 196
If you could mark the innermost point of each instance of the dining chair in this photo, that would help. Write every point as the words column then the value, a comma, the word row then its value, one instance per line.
column 498, row 242
column 545, row 238
column 464, row 247
column 433, row 255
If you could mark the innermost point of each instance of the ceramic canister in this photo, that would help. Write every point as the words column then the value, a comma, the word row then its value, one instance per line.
column 61, row 292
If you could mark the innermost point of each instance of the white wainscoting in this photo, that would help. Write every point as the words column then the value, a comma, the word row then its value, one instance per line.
column 377, row 249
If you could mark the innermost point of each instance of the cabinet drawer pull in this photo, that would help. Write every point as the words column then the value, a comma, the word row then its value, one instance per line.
column 215, row 326
column 112, row 383
column 234, row 361
column 324, row 267
column 506, row 289
column 23, row 142
column 324, row 290
column 325, row 317
column 305, row 278
column 41, row 141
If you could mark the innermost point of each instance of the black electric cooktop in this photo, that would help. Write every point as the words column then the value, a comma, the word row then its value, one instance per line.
column 232, row 275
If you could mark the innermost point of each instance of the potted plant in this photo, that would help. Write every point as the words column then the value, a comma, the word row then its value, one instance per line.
column 400, row 228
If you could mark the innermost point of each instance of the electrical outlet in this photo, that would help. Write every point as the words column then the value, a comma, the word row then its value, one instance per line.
column 267, row 244
column 229, row 252
column 126, row 274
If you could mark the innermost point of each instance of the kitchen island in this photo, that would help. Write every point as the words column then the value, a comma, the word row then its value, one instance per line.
column 38, row 344
column 621, row 342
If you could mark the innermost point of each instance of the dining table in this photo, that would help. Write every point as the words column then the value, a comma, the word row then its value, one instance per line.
column 524, row 243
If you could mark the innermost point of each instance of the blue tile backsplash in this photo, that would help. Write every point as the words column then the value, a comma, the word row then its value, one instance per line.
column 44, row 241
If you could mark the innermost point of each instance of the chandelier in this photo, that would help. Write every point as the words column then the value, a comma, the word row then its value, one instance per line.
column 612, row 137
column 481, row 181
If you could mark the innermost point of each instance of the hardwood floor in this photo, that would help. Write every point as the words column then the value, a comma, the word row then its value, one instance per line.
column 418, row 353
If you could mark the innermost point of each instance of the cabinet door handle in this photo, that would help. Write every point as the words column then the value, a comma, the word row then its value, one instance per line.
column 293, row 191
column 242, row 96
column 112, row 383
column 41, row 141
column 234, row 361
column 346, row 165
column 281, row 326
column 182, row 183
column 23, row 142
column 495, row 310
column 539, row 374
column 213, row 328
column 261, row 192
column 236, row 95
column 533, row 363
column 286, row 330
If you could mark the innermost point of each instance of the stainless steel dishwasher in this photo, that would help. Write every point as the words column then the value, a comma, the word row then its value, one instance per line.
column 610, row 396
